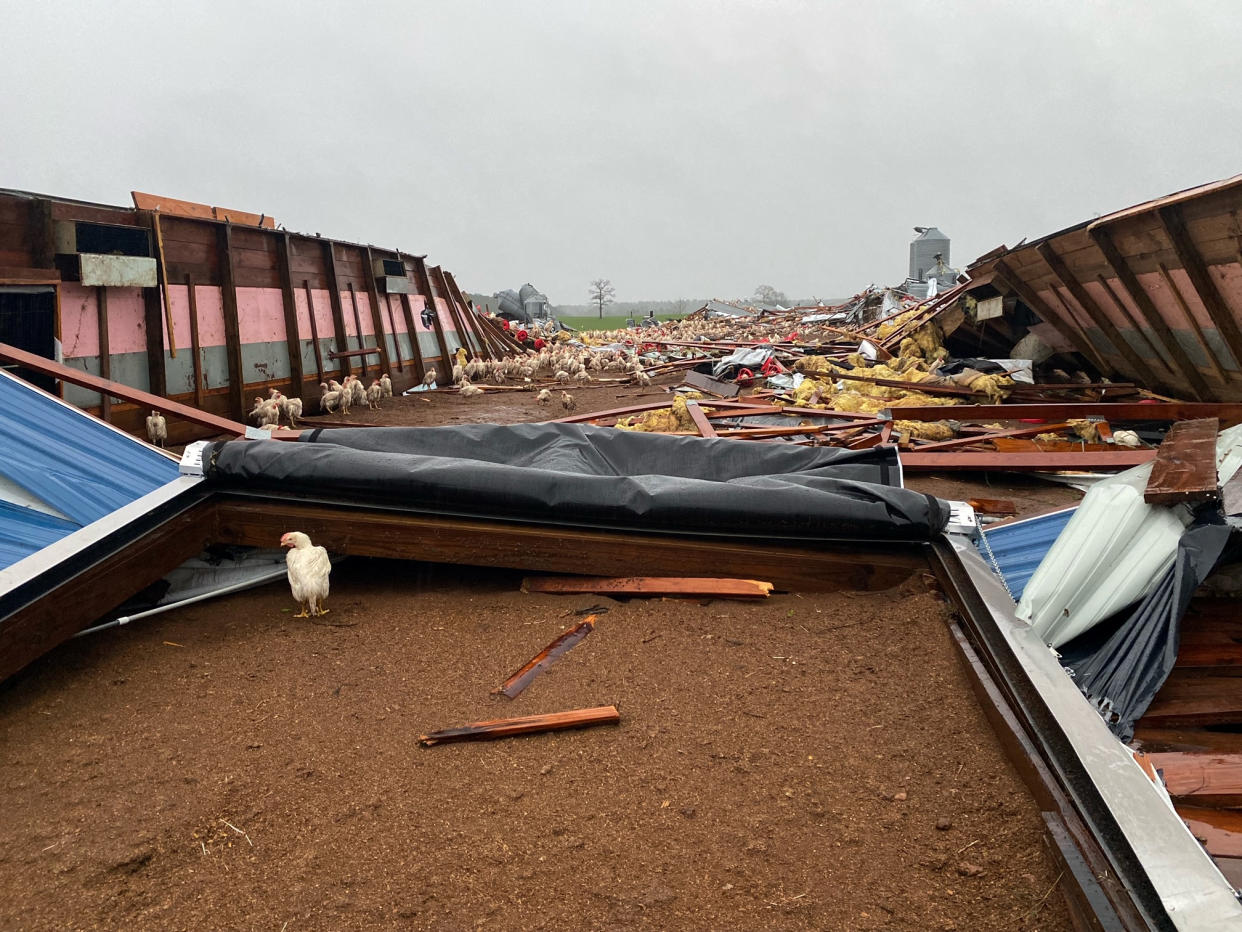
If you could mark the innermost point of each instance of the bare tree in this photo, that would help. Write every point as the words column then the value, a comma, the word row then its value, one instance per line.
column 602, row 293
column 767, row 295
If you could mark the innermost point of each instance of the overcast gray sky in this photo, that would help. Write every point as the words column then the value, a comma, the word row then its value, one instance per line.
column 677, row 148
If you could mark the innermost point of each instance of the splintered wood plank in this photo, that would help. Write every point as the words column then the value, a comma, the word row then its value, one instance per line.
column 1185, row 467
column 1196, row 700
column 525, row 675
column 1201, row 779
column 1220, row 830
column 650, row 586
column 524, row 725
column 993, row 506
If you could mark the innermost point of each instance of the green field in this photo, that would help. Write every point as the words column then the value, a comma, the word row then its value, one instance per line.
column 606, row 322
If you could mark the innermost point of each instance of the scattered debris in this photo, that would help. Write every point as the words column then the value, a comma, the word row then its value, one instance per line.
column 525, row 725
column 523, row 677
column 650, row 586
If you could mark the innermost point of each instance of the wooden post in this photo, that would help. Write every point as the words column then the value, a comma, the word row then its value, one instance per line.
column 419, row 369
column 463, row 334
column 396, row 337
column 377, row 318
column 196, row 344
column 480, row 335
column 163, row 281
column 338, row 312
column 310, row 308
column 293, row 337
column 232, row 323
column 353, row 300
column 153, row 321
column 105, row 353
column 423, row 280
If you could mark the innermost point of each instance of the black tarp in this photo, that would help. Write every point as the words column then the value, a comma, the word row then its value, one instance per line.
column 579, row 475
column 1121, row 673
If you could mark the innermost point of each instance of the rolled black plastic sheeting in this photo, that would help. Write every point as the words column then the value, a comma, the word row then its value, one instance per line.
column 578, row 475
column 1122, row 674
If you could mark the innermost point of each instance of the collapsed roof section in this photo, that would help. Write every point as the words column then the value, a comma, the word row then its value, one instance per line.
column 1152, row 293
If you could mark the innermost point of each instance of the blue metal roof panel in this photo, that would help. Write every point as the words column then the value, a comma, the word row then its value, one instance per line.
column 1019, row 548
column 24, row 531
column 80, row 466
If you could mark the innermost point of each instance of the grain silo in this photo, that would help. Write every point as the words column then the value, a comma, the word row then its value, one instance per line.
column 924, row 249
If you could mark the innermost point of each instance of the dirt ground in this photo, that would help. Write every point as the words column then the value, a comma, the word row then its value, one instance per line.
column 806, row 762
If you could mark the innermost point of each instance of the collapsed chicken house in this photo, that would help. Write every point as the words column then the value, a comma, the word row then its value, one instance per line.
column 837, row 406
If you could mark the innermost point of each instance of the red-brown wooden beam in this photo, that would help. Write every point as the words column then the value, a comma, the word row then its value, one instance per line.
column 1079, row 293
column 415, row 346
column 314, row 326
column 1185, row 467
column 1063, row 324
column 105, row 351
column 1142, row 300
column 1111, row 411
column 1197, row 271
column 1021, row 462
column 463, row 333
column 700, row 419
column 196, row 344
column 338, row 311
column 232, row 322
column 423, row 281
column 117, row 390
column 377, row 317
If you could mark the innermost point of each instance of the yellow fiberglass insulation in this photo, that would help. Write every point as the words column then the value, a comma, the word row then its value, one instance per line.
column 809, row 365
column 1087, row 430
column 996, row 387
column 662, row 420
column 926, row 430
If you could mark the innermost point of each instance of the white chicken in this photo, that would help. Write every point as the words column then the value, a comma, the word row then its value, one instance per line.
column 157, row 429
column 386, row 384
column 567, row 401
column 293, row 410
column 430, row 378
column 544, row 397
column 308, row 569
column 374, row 394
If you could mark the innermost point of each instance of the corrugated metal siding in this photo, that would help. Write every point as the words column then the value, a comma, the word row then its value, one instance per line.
column 67, row 459
column 1018, row 548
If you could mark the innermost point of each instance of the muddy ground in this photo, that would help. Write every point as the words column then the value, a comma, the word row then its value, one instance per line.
column 812, row 761
column 806, row 762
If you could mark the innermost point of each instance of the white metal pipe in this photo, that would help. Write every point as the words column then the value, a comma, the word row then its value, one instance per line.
column 245, row 584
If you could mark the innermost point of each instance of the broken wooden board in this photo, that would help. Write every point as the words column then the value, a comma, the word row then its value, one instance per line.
column 1213, row 779
column 650, row 586
column 714, row 386
column 1021, row 462
column 993, row 506
column 1185, row 467
column 523, row 725
column 1220, row 830
column 700, row 419
column 525, row 675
